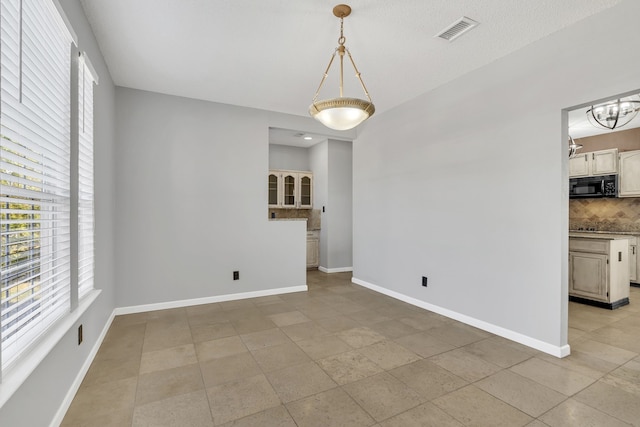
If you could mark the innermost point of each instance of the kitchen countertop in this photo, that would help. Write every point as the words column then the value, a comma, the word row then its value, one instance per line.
column 295, row 219
column 605, row 235
column 626, row 233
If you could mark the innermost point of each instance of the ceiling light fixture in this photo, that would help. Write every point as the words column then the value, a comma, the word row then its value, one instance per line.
column 341, row 113
column 573, row 147
column 612, row 115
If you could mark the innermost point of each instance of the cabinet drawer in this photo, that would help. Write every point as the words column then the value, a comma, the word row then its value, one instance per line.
column 589, row 245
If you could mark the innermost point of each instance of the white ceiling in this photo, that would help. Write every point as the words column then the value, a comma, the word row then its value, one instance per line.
column 271, row 54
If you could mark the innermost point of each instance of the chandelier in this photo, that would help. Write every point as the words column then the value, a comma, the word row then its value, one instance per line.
column 573, row 147
column 341, row 113
column 612, row 115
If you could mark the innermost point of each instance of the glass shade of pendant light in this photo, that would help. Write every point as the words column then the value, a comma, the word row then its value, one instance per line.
column 573, row 147
column 341, row 113
column 612, row 115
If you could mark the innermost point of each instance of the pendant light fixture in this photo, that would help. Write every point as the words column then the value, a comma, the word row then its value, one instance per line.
column 612, row 115
column 573, row 147
column 341, row 113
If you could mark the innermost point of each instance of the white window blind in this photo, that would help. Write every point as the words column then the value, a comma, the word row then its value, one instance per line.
column 85, row 178
column 35, row 172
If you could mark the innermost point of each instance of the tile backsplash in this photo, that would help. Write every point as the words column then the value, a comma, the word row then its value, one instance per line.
column 605, row 214
column 312, row 216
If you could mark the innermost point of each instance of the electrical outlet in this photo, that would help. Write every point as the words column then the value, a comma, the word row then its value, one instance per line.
column 79, row 334
column 424, row 281
column 236, row 275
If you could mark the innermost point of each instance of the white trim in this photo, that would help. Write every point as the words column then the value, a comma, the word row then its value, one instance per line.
column 16, row 375
column 557, row 351
column 65, row 24
column 89, row 65
column 68, row 398
column 335, row 270
column 207, row 300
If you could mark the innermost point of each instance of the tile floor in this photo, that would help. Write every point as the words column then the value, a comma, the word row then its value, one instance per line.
column 342, row 355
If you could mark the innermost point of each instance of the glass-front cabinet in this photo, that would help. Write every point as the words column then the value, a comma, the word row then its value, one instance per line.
column 290, row 189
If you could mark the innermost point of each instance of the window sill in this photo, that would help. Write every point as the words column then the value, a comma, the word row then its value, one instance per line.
column 16, row 375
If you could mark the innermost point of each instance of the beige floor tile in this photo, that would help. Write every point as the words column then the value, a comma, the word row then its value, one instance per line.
column 458, row 334
column 393, row 329
column 237, row 399
column 537, row 423
column 367, row 317
column 465, row 365
column 299, row 381
column 189, row 409
column 612, row 401
column 332, row 408
column 275, row 308
column 318, row 310
column 360, row 337
column 230, row 368
column 202, row 310
column 168, row 358
column 500, row 351
column 130, row 319
column 425, row 321
column 474, row 407
column 565, row 381
column 424, row 345
column 323, row 346
column 280, row 356
column 101, row 399
column 106, row 370
column 241, row 304
column 337, row 323
column 425, row 415
column 573, row 413
column 222, row 347
column 304, row 331
column 383, row 396
column 288, row 318
column 348, row 367
column 603, row 351
column 211, row 331
column 581, row 363
column 626, row 377
column 160, row 385
column 110, row 419
column 627, row 340
column 252, row 323
column 522, row 393
column 278, row 416
column 428, row 379
column 266, row 338
column 388, row 354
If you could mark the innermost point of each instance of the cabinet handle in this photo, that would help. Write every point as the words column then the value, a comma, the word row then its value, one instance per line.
column 593, row 156
column 585, row 158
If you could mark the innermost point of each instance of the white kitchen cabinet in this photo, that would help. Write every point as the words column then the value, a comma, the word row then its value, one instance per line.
column 629, row 178
column 313, row 249
column 594, row 163
column 599, row 271
column 290, row 189
column 633, row 262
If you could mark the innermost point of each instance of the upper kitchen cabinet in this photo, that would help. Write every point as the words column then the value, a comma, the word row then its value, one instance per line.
column 595, row 163
column 290, row 189
column 629, row 179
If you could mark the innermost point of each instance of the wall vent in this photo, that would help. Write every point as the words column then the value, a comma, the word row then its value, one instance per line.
column 457, row 29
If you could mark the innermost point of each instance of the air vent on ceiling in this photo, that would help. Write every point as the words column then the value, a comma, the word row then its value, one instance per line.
column 457, row 29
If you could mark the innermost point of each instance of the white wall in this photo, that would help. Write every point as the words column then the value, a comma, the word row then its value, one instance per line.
column 339, row 207
column 191, row 196
column 288, row 157
column 467, row 184
column 319, row 163
column 36, row 402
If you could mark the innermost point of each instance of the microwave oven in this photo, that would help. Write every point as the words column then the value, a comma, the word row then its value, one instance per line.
column 593, row 186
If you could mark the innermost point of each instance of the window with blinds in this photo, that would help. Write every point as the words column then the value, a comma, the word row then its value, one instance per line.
column 35, row 117
column 85, row 178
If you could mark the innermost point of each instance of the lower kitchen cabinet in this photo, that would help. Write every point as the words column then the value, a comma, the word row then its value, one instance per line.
column 313, row 249
column 599, row 271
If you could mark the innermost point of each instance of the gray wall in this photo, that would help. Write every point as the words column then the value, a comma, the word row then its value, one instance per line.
column 35, row 403
column 319, row 162
column 191, row 196
column 467, row 184
column 339, row 209
column 287, row 157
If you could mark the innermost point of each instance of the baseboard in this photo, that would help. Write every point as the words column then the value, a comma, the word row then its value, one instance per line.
column 600, row 304
column 557, row 351
column 335, row 270
column 207, row 300
column 71, row 393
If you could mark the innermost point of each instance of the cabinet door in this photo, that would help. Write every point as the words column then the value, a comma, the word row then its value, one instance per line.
column 629, row 179
column 289, row 190
column 275, row 192
column 633, row 262
column 604, row 162
column 579, row 165
column 588, row 275
column 306, row 190
column 313, row 252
